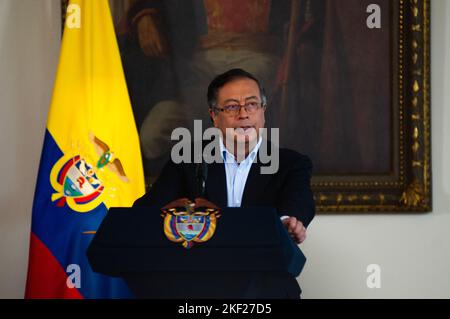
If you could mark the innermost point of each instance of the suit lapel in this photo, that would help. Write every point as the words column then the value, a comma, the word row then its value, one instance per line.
column 256, row 182
column 216, row 184
column 255, row 185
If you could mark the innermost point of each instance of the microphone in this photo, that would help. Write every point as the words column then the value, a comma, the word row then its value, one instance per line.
column 201, row 173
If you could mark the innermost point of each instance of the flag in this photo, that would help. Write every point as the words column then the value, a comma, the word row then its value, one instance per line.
column 90, row 160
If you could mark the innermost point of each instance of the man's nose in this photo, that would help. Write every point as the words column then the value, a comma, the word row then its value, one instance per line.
column 243, row 114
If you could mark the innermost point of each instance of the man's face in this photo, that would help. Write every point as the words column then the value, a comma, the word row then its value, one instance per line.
column 244, row 125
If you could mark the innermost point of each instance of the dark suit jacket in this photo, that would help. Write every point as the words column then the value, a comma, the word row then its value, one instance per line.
column 288, row 190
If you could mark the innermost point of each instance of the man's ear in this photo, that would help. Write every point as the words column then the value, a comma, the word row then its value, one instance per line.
column 212, row 115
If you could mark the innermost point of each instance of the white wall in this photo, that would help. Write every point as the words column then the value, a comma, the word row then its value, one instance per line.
column 412, row 250
column 29, row 45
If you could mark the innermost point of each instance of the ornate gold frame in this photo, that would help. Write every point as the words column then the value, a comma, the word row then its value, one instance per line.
column 408, row 187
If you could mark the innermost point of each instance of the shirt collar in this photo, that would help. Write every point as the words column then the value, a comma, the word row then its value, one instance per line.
column 225, row 153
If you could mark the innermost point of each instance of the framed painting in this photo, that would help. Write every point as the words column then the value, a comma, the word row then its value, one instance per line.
column 348, row 84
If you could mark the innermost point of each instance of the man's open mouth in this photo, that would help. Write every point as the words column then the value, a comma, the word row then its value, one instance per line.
column 244, row 129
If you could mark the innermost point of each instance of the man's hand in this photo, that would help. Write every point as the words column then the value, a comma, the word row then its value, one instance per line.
column 150, row 39
column 295, row 228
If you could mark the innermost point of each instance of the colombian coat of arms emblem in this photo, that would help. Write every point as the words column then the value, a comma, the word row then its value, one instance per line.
column 188, row 222
column 76, row 180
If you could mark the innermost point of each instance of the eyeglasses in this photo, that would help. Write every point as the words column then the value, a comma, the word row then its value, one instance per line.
column 235, row 109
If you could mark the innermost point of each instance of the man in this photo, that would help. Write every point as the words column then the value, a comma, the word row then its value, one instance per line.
column 237, row 106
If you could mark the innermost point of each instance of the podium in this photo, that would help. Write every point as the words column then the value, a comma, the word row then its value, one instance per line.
column 250, row 256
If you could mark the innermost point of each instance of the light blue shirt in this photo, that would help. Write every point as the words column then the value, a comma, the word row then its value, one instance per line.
column 237, row 173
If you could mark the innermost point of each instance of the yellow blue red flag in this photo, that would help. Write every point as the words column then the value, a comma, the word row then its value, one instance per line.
column 91, row 159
